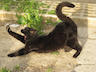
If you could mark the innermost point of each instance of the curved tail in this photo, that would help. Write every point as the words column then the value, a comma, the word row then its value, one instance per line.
column 59, row 13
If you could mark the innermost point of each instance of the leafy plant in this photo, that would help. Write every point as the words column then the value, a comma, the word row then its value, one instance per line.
column 31, row 10
column 31, row 16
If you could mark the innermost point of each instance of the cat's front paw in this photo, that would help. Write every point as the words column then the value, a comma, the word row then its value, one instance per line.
column 11, row 55
column 8, row 28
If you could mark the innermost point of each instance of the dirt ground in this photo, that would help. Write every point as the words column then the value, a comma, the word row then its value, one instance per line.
column 33, row 62
column 50, row 62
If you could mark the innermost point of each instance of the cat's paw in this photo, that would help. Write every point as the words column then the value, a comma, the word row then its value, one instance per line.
column 8, row 27
column 11, row 55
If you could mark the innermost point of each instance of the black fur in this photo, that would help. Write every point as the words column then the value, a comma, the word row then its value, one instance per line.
column 65, row 33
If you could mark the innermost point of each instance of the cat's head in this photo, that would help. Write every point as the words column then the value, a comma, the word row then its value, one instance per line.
column 27, row 31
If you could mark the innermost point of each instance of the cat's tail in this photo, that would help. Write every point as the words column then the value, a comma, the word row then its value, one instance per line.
column 59, row 13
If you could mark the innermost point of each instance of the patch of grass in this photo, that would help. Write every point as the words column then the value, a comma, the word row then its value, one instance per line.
column 49, row 69
column 17, row 67
column 44, row 11
column 4, row 70
column 55, row 52
column 52, row 12
column 19, row 5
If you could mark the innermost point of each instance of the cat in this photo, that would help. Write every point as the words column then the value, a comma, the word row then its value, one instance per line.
column 64, row 34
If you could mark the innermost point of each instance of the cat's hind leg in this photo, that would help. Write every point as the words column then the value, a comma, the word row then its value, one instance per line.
column 74, row 44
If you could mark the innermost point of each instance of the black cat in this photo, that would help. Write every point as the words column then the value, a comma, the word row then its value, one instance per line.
column 65, row 33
